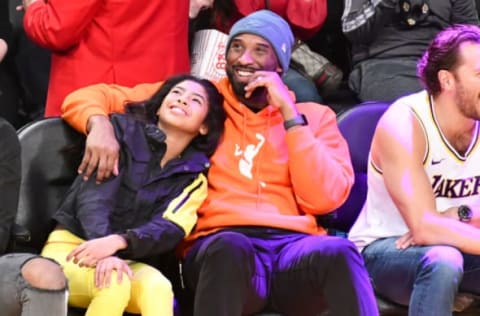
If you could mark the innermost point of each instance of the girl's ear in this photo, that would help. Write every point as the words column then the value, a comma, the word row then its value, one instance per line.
column 203, row 129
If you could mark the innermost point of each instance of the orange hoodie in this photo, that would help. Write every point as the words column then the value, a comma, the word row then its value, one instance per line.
column 260, row 175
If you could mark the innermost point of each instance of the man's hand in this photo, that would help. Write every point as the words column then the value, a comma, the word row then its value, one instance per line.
column 101, row 150
column 104, row 268
column 405, row 241
column 89, row 253
column 25, row 4
column 277, row 92
column 3, row 49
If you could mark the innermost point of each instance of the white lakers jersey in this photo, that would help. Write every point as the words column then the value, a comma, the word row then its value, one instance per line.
column 455, row 178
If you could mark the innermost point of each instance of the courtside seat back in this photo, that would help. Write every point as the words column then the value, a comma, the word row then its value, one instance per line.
column 357, row 126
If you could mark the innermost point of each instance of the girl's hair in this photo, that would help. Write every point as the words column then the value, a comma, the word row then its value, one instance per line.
column 443, row 53
column 146, row 111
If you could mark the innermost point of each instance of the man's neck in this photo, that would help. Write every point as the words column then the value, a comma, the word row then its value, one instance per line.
column 455, row 126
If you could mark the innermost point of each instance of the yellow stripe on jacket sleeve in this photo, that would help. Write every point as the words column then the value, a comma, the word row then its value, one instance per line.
column 183, row 209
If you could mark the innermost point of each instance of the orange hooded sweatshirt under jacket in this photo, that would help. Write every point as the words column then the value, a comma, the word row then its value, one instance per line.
column 260, row 174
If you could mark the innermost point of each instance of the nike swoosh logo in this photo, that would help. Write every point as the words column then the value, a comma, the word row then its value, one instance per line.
column 436, row 162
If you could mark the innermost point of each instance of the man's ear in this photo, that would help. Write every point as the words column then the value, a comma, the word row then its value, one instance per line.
column 203, row 130
column 445, row 78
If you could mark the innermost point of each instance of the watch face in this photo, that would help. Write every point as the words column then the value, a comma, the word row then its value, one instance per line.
column 464, row 213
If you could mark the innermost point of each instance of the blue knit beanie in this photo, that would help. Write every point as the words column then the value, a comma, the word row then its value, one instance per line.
column 272, row 28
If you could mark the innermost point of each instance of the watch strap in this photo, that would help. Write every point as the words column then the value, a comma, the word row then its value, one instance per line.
column 297, row 120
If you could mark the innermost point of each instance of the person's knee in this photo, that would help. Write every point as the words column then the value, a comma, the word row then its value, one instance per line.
column 116, row 291
column 44, row 274
column 230, row 246
column 227, row 255
column 444, row 262
column 335, row 247
column 335, row 251
column 158, row 284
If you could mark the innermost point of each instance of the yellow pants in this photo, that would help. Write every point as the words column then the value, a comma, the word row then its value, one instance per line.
column 148, row 293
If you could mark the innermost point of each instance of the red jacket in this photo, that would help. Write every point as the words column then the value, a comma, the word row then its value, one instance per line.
column 112, row 41
column 305, row 17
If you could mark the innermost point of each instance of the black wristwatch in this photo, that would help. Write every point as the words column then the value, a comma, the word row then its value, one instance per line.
column 297, row 120
column 464, row 213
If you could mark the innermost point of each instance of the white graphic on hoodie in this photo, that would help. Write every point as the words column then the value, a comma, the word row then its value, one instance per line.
column 245, row 164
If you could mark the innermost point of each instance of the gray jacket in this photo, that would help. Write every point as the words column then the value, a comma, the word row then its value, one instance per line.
column 375, row 30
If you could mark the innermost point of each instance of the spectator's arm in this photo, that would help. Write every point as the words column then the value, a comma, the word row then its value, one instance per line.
column 59, row 24
column 101, row 99
column 168, row 227
column 3, row 49
column 319, row 163
column 87, row 109
column 398, row 150
column 362, row 19
column 464, row 12
column 306, row 17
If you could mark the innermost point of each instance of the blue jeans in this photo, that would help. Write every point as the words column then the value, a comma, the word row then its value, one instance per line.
column 384, row 79
column 426, row 278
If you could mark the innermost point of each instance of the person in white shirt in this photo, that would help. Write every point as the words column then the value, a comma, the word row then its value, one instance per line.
column 419, row 228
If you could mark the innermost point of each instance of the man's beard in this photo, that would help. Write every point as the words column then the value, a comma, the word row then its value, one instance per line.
column 238, row 87
column 258, row 97
column 466, row 103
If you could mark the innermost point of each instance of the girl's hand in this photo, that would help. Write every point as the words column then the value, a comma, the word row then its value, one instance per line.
column 90, row 252
column 104, row 268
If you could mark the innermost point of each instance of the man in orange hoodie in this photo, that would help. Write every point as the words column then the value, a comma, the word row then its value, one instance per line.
column 257, row 244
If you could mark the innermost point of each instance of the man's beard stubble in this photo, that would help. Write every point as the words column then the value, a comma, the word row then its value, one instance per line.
column 257, row 100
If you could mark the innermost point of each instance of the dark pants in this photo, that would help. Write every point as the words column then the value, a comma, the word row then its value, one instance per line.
column 247, row 270
column 9, row 94
column 10, row 174
column 384, row 80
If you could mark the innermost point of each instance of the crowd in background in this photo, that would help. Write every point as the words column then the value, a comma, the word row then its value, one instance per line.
column 49, row 55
